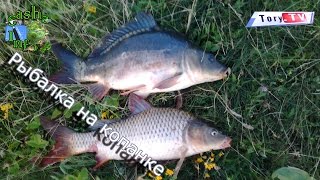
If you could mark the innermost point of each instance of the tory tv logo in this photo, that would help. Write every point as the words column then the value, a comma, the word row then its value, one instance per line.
column 280, row 19
column 294, row 17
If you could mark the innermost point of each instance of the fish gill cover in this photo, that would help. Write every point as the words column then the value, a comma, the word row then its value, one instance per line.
column 269, row 105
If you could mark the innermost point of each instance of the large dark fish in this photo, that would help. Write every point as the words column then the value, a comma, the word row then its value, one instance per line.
column 140, row 58
column 161, row 133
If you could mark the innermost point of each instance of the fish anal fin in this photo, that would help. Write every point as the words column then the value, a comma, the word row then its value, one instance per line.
column 137, row 104
column 167, row 83
column 101, row 160
column 143, row 22
column 98, row 90
column 138, row 88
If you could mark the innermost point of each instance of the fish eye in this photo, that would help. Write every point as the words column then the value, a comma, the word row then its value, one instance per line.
column 211, row 58
column 213, row 133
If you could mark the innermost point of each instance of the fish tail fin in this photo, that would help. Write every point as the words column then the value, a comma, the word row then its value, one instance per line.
column 69, row 60
column 62, row 147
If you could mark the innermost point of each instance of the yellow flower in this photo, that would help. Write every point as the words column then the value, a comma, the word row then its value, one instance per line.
column 206, row 175
column 104, row 115
column 169, row 172
column 107, row 115
column 199, row 160
column 5, row 108
column 150, row 174
column 204, row 157
column 221, row 154
column 92, row 9
column 211, row 159
column 209, row 166
column 158, row 178
column 212, row 155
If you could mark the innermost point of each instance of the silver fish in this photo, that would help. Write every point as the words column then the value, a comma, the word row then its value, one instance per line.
column 161, row 133
column 140, row 58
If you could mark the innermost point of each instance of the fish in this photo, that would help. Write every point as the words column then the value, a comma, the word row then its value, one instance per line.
column 141, row 58
column 161, row 133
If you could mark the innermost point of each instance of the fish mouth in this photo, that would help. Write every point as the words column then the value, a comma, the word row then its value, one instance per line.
column 226, row 143
column 222, row 73
column 226, row 72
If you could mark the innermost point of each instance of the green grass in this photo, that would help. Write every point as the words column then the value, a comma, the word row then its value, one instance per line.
column 274, row 87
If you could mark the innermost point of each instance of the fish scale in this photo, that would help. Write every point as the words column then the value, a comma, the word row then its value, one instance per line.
column 159, row 127
column 158, row 133
column 139, row 57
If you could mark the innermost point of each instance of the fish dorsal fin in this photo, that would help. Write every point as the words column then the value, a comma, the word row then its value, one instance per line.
column 143, row 22
column 137, row 104
column 99, row 124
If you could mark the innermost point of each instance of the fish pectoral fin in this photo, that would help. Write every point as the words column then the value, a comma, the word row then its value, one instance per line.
column 98, row 90
column 167, row 83
column 180, row 162
column 101, row 160
column 137, row 104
